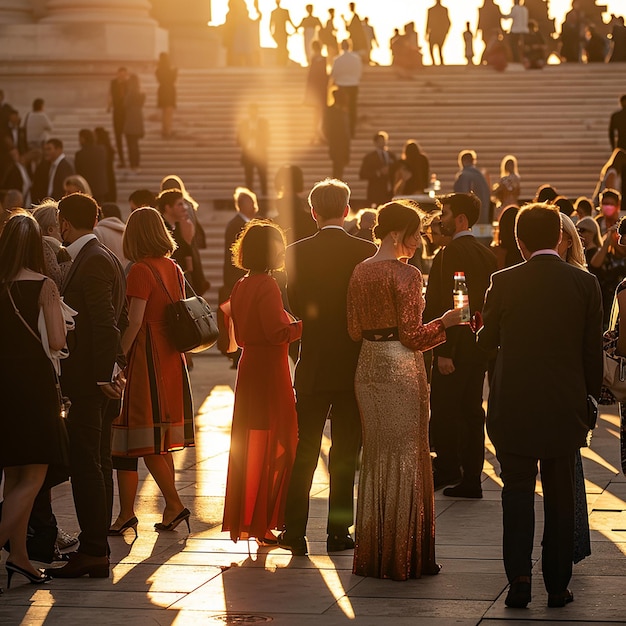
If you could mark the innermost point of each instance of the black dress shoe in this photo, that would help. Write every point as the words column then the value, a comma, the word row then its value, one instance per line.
column 519, row 594
column 297, row 545
column 81, row 564
column 463, row 491
column 440, row 481
column 559, row 600
column 337, row 543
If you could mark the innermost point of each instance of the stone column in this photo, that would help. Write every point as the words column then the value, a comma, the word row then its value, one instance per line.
column 95, row 11
column 16, row 12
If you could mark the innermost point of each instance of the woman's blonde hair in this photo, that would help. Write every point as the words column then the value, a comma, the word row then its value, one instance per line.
column 575, row 254
column 504, row 171
column 46, row 215
column 76, row 180
column 146, row 236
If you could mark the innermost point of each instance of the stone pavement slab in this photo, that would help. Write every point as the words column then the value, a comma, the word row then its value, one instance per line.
column 177, row 579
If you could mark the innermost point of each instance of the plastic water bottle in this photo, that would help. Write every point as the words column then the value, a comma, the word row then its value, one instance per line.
column 461, row 296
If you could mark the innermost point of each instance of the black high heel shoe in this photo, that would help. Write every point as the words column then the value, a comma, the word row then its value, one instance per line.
column 182, row 516
column 128, row 524
column 33, row 579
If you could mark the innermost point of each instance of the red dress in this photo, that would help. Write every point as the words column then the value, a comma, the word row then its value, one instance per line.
column 264, row 430
column 157, row 408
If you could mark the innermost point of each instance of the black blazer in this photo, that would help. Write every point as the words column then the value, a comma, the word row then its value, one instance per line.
column 478, row 262
column 91, row 163
column 545, row 316
column 379, row 186
column 319, row 270
column 40, row 180
column 95, row 286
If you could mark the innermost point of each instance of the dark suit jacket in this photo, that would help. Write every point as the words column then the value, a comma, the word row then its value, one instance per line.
column 91, row 163
column 379, row 186
column 231, row 273
column 464, row 254
column 546, row 318
column 40, row 180
column 7, row 140
column 95, row 286
column 319, row 270
column 618, row 127
column 12, row 178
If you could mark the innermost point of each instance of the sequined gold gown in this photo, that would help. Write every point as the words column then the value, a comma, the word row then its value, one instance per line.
column 395, row 523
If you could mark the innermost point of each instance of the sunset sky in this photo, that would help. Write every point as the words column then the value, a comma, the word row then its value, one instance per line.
column 385, row 15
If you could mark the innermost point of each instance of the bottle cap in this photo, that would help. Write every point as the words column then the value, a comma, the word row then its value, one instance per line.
column 459, row 275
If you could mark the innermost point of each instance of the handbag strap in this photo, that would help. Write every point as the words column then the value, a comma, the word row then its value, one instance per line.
column 17, row 312
column 38, row 338
column 158, row 278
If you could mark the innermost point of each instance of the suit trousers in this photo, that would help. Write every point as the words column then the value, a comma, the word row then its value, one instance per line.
column 134, row 156
column 112, row 409
column 352, row 97
column 249, row 165
column 345, row 422
column 457, row 421
column 90, row 434
column 119, row 120
column 518, row 512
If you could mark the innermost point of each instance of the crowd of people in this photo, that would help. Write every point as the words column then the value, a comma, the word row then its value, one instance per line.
column 529, row 37
column 364, row 327
column 355, row 305
column 85, row 297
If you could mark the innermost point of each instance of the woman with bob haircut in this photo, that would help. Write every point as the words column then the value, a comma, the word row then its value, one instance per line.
column 32, row 433
column 264, row 429
column 395, row 521
column 157, row 409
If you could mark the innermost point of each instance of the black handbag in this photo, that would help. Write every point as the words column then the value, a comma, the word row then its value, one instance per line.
column 190, row 322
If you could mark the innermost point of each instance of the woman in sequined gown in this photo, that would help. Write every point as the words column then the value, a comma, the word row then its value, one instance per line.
column 395, row 523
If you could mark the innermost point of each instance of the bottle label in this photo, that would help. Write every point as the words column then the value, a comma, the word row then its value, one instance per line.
column 461, row 301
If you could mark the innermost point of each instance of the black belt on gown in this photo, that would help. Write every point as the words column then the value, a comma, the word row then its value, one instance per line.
column 381, row 334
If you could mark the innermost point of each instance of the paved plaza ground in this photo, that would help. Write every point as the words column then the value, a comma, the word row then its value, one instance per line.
column 172, row 578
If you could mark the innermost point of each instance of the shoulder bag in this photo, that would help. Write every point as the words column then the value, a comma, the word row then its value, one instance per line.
column 190, row 322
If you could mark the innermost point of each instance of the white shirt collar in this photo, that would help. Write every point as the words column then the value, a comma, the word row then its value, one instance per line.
column 56, row 162
column 75, row 247
column 462, row 233
column 332, row 226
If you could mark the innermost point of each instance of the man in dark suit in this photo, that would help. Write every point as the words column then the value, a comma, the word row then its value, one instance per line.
column 95, row 288
column 457, row 421
column 51, row 172
column 319, row 269
column 117, row 104
column 12, row 136
column 91, row 163
column 247, row 209
column 617, row 127
column 376, row 169
column 253, row 137
column 544, row 317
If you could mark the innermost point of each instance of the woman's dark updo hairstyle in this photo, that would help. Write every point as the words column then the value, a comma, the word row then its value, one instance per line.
column 253, row 250
column 398, row 216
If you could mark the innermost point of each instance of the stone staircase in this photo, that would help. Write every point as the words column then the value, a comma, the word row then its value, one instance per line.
column 555, row 121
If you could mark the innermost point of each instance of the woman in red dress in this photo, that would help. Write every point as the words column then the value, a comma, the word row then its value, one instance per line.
column 264, row 428
column 157, row 409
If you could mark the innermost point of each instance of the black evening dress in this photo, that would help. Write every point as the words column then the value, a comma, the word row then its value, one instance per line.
column 31, row 429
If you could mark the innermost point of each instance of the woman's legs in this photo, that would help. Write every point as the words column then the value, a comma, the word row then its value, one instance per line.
column 127, row 482
column 161, row 466
column 21, row 485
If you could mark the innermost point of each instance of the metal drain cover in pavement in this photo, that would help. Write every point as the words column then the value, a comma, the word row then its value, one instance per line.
column 242, row 618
